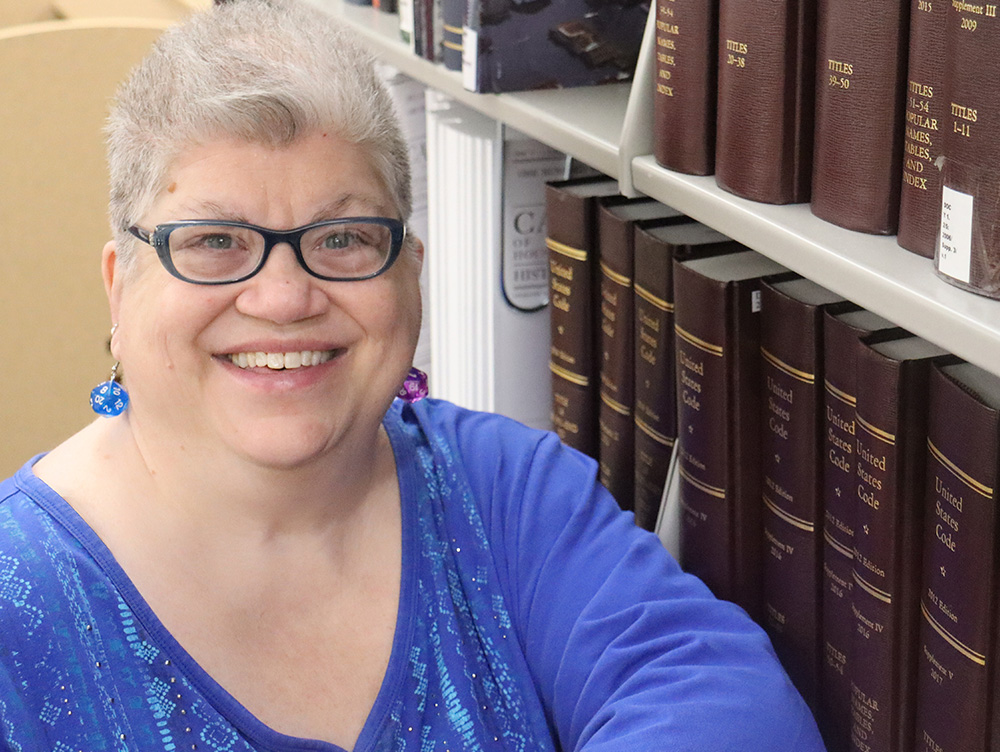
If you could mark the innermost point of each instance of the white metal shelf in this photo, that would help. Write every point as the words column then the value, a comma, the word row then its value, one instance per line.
column 590, row 124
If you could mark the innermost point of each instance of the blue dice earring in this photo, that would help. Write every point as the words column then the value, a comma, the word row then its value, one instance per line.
column 110, row 398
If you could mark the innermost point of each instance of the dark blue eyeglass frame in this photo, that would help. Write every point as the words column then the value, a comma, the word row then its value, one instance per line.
column 159, row 240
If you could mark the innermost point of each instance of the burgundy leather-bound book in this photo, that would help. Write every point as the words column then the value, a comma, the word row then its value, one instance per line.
column 616, row 219
column 717, row 329
column 684, row 92
column 571, row 215
column 655, row 412
column 791, row 401
column 957, row 694
column 969, row 252
column 764, row 130
column 923, row 136
column 860, row 80
column 842, row 326
column 890, row 483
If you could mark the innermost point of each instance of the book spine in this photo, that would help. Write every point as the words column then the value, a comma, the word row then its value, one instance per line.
column 453, row 19
column 958, row 590
column 655, row 412
column 860, row 82
column 685, row 93
column 616, row 359
column 717, row 335
column 969, row 254
column 791, row 369
column 840, row 348
column 891, row 450
column 764, row 130
column 923, row 138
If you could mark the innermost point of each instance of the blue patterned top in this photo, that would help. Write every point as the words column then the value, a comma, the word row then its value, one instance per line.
column 533, row 615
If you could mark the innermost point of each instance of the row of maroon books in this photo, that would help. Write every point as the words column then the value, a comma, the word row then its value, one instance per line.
column 884, row 116
column 837, row 474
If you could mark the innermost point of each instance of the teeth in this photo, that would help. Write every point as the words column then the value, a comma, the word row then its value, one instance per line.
column 279, row 361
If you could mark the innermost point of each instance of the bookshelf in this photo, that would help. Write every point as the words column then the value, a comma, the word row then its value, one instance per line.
column 609, row 128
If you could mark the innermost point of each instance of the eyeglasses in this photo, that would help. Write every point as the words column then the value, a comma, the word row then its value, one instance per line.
column 217, row 252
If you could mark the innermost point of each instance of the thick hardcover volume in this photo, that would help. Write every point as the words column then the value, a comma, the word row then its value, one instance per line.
column 509, row 45
column 717, row 327
column 891, row 452
column 791, row 400
column 860, row 80
column 956, row 676
column 843, row 325
column 685, row 88
column 655, row 411
column 571, row 215
column 923, row 138
column 764, row 136
column 452, row 21
column 968, row 254
column 616, row 221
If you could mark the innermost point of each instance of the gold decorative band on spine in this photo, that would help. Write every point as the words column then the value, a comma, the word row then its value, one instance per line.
column 453, row 29
column 652, row 433
column 618, row 279
column 873, row 591
column 975, row 485
column 451, row 45
column 789, row 518
column 618, row 407
column 573, row 378
column 848, row 399
column 837, row 546
column 977, row 658
column 646, row 295
column 878, row 433
column 576, row 254
column 699, row 343
column 719, row 493
column 795, row 373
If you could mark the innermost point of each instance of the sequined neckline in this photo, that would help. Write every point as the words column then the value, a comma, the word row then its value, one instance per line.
column 243, row 720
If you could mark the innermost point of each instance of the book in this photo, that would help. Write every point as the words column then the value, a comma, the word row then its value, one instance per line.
column 717, row 326
column 890, row 480
column 514, row 45
column 843, row 325
column 571, row 211
column 956, row 676
column 923, row 137
column 386, row 6
column 655, row 412
column 791, row 402
column 764, row 125
column 616, row 219
column 452, row 21
column 685, row 85
column 860, row 85
column 968, row 255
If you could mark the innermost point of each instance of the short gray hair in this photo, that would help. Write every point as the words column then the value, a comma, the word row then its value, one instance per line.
column 264, row 71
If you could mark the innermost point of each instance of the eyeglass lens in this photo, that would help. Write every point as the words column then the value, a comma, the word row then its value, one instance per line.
column 222, row 252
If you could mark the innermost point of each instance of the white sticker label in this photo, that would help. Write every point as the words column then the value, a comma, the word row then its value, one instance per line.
column 755, row 301
column 470, row 58
column 955, row 247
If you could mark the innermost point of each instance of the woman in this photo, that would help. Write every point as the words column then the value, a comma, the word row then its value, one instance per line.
column 264, row 550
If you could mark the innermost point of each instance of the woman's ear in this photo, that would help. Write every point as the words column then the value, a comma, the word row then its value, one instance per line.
column 111, row 275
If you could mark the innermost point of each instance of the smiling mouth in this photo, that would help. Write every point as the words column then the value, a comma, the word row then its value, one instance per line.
column 278, row 361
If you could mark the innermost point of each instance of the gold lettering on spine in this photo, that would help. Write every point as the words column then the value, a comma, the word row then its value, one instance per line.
column 666, row 32
column 736, row 53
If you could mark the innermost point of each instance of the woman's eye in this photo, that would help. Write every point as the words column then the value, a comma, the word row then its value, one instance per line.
column 217, row 242
column 338, row 240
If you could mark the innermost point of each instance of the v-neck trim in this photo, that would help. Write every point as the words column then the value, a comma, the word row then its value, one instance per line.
column 245, row 722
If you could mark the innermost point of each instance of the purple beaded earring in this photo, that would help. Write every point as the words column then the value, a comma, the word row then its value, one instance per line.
column 110, row 398
column 414, row 386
